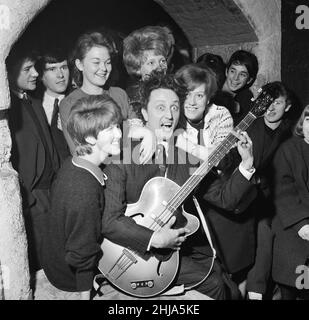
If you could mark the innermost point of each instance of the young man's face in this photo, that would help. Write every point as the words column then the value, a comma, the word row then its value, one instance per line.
column 237, row 76
column 195, row 104
column 56, row 77
column 27, row 76
column 162, row 113
column 276, row 110
column 152, row 62
column 96, row 67
column 107, row 142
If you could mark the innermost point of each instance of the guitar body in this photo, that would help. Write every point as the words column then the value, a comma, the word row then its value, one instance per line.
column 148, row 275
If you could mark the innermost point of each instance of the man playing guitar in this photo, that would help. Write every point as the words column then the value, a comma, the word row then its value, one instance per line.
column 160, row 109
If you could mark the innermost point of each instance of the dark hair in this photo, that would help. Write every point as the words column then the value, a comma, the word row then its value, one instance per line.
column 298, row 131
column 158, row 80
column 20, row 52
column 84, row 43
column 154, row 38
column 191, row 76
column 246, row 58
column 216, row 64
column 88, row 117
column 50, row 55
column 278, row 89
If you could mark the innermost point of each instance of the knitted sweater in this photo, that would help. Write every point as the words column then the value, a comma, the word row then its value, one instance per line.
column 71, row 247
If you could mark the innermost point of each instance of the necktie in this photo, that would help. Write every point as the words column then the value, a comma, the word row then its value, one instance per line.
column 161, row 158
column 54, row 119
column 25, row 96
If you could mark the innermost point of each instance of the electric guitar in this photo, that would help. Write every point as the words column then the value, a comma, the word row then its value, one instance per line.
column 150, row 274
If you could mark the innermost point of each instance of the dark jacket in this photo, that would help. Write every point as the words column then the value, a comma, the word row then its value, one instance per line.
column 291, row 197
column 125, row 183
column 33, row 153
column 236, row 234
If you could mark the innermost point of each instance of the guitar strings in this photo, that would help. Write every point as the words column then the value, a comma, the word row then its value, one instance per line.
column 215, row 157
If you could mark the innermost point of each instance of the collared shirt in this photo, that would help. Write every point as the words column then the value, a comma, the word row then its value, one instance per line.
column 48, row 105
column 20, row 94
column 90, row 167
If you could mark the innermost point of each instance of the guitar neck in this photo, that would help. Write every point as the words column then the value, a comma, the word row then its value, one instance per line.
column 215, row 157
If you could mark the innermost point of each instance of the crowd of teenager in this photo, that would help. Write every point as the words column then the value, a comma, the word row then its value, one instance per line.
column 86, row 149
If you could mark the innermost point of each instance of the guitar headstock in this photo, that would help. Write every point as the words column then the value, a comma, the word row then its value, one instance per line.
column 260, row 104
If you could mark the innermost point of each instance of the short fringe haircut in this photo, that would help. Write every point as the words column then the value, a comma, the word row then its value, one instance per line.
column 88, row 117
column 246, row 58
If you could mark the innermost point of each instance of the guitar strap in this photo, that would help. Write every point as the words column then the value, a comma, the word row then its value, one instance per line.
column 180, row 289
column 206, row 230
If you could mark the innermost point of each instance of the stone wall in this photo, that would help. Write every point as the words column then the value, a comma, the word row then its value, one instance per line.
column 265, row 18
column 231, row 31
column 14, row 272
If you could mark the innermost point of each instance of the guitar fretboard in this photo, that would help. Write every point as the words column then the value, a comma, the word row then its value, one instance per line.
column 215, row 157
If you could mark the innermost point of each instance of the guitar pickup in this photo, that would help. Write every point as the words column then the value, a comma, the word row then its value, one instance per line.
column 142, row 284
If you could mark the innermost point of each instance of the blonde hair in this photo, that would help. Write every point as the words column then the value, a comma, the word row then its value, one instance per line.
column 298, row 131
column 154, row 38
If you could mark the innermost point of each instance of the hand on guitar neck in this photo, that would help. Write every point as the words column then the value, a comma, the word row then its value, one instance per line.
column 244, row 147
column 168, row 237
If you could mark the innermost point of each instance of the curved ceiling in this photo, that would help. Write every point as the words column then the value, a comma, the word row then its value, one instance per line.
column 210, row 22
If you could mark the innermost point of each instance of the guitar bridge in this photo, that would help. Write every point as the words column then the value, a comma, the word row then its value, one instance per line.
column 142, row 284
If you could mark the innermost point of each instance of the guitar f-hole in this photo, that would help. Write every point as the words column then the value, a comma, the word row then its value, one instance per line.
column 158, row 269
column 137, row 214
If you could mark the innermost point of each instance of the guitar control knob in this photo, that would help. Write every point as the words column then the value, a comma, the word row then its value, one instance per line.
column 150, row 284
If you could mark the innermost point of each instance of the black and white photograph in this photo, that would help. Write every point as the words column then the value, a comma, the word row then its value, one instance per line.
column 154, row 154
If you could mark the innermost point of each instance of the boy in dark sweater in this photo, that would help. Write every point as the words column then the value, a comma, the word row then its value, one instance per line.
column 71, row 247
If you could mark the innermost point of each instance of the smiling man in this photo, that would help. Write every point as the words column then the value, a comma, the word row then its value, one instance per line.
column 71, row 246
column 267, row 133
column 241, row 71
